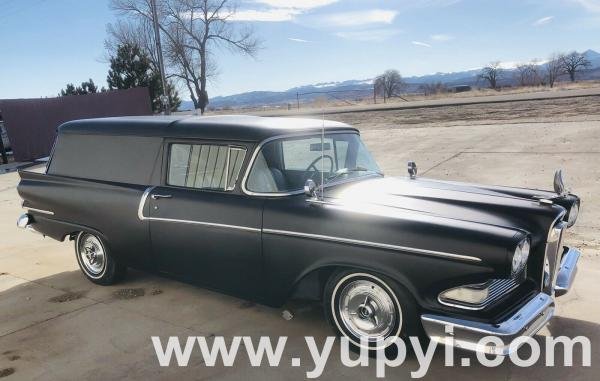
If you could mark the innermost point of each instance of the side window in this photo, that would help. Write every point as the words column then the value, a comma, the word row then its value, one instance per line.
column 205, row 166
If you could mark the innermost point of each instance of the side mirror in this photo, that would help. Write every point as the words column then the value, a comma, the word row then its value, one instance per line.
column 310, row 188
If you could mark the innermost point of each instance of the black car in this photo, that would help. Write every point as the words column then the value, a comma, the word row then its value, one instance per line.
column 274, row 208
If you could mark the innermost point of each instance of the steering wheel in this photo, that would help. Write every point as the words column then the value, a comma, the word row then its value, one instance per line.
column 314, row 164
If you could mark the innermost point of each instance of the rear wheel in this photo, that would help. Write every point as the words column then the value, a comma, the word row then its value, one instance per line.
column 94, row 260
column 370, row 307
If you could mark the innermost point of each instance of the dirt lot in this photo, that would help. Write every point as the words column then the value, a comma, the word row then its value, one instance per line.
column 554, row 110
column 56, row 325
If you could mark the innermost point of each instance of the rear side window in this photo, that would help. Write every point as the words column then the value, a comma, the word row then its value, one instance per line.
column 205, row 166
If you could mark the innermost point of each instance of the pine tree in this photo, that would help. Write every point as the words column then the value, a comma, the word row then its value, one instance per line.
column 88, row 87
column 131, row 67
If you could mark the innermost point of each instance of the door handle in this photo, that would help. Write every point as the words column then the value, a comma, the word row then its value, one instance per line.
column 157, row 196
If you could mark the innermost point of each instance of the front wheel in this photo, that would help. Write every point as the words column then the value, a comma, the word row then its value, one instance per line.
column 94, row 260
column 361, row 305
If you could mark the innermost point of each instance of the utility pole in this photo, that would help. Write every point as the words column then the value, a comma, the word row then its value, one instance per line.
column 164, row 97
column 298, row 100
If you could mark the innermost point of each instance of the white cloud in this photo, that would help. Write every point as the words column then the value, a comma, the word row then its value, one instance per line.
column 278, row 10
column 590, row 5
column 440, row 3
column 298, row 39
column 419, row 43
column 296, row 4
column 271, row 15
column 543, row 21
column 441, row 37
column 356, row 18
column 369, row 35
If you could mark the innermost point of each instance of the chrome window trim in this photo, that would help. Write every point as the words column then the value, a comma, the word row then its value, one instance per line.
column 51, row 153
column 191, row 144
column 372, row 244
column 234, row 148
column 262, row 143
column 141, row 217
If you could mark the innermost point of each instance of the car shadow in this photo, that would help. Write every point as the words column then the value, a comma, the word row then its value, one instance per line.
column 36, row 318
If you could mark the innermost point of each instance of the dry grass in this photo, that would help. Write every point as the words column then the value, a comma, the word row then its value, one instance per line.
column 325, row 102
column 549, row 110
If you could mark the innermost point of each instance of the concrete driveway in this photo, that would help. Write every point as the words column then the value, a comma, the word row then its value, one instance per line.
column 54, row 324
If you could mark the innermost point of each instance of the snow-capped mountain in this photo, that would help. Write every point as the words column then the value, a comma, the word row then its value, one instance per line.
column 355, row 89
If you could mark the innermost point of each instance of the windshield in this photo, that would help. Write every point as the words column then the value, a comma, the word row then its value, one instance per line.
column 284, row 165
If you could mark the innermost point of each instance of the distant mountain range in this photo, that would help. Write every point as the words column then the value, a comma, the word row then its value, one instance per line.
column 360, row 89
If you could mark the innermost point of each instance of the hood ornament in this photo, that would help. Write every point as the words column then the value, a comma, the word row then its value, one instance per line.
column 559, row 184
column 412, row 169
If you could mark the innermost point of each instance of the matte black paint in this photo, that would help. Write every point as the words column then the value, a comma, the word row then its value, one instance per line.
column 465, row 219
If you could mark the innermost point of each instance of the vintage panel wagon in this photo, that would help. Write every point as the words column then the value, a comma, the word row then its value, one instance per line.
column 274, row 208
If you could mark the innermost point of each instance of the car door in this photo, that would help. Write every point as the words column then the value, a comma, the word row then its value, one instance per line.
column 202, row 227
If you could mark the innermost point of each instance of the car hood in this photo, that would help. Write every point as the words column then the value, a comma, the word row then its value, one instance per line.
column 515, row 208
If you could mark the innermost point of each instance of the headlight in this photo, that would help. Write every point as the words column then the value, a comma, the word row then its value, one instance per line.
column 520, row 256
column 471, row 294
column 573, row 213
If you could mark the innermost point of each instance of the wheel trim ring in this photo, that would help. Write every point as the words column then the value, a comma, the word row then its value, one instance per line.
column 381, row 284
column 82, row 262
column 375, row 311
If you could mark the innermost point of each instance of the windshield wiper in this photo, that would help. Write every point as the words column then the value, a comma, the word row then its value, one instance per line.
column 345, row 171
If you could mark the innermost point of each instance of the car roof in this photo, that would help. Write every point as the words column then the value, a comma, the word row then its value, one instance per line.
column 225, row 127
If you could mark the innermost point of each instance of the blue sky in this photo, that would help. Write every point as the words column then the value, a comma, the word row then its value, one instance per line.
column 47, row 43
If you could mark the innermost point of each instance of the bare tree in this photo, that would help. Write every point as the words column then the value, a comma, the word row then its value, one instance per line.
column 553, row 69
column 134, row 33
column 192, row 30
column 528, row 73
column 390, row 84
column 433, row 88
column 522, row 73
column 535, row 72
column 492, row 74
column 572, row 63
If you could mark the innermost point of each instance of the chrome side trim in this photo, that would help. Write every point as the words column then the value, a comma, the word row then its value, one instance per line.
column 211, row 224
column 141, row 217
column 466, row 334
column 261, row 144
column 43, row 211
column 143, row 203
column 373, row 244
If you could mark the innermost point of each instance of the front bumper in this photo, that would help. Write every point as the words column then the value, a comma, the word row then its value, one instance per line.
column 527, row 321
column 567, row 271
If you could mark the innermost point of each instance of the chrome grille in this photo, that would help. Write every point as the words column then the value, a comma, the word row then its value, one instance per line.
column 497, row 288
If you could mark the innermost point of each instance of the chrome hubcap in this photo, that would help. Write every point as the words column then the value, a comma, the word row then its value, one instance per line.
column 367, row 310
column 92, row 254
